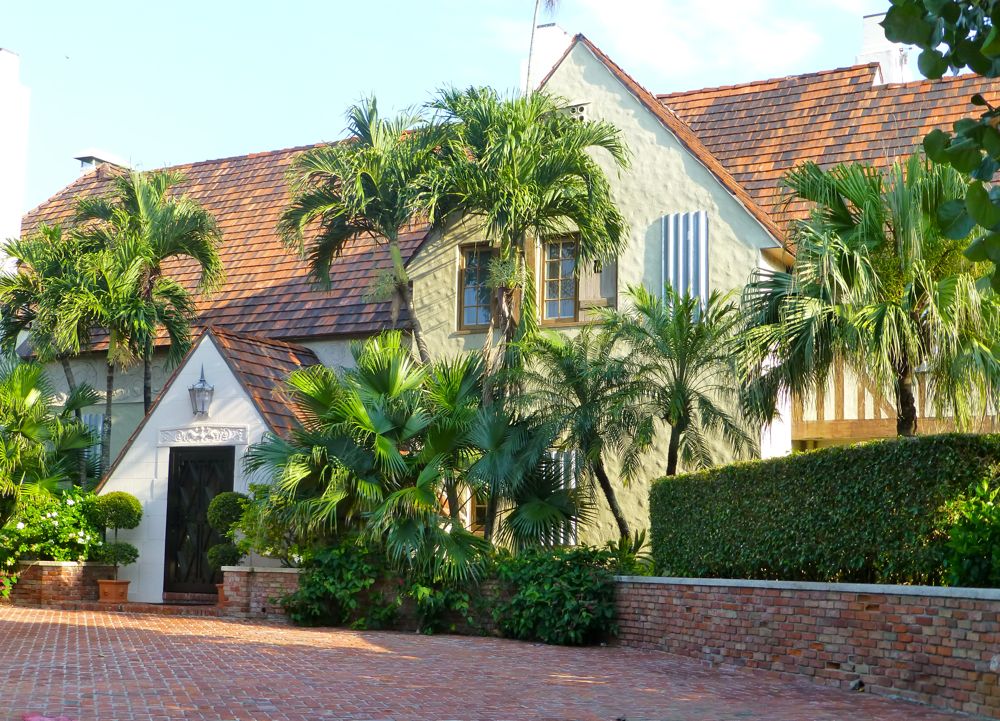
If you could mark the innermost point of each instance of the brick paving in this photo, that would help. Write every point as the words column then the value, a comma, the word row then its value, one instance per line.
column 129, row 667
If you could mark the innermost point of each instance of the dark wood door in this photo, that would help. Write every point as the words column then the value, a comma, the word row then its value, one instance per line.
column 197, row 475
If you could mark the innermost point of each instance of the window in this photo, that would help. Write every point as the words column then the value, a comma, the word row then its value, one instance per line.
column 577, row 112
column 559, row 288
column 685, row 253
column 475, row 297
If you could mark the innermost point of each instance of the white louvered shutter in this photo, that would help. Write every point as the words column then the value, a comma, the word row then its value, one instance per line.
column 685, row 252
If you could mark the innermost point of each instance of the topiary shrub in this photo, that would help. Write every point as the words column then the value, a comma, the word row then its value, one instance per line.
column 560, row 596
column 116, row 553
column 223, row 554
column 117, row 510
column 873, row 513
column 225, row 510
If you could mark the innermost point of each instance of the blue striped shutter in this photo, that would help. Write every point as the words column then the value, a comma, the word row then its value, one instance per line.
column 685, row 252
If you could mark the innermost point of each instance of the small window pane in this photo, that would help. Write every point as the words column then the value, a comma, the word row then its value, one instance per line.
column 552, row 309
column 568, row 267
column 566, row 308
column 553, row 250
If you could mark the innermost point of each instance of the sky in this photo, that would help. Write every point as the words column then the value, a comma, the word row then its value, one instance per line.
column 167, row 83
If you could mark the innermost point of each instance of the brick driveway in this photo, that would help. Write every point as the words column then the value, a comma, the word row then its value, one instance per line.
column 125, row 667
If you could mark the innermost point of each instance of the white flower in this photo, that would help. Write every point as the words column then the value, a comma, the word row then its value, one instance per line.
column 19, row 526
column 70, row 502
column 55, row 523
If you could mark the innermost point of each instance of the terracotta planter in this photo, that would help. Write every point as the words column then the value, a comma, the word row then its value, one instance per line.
column 221, row 588
column 112, row 591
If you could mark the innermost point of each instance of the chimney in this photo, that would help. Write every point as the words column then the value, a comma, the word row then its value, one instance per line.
column 93, row 158
column 14, row 99
column 876, row 49
column 551, row 42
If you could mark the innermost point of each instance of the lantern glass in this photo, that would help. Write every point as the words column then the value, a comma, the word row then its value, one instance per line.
column 201, row 395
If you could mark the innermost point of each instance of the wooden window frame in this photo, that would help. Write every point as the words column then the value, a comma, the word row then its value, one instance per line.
column 462, row 251
column 543, row 278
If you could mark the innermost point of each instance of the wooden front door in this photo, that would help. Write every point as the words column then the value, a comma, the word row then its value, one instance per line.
column 197, row 475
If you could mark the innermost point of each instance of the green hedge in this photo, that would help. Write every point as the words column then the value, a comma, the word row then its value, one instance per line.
column 874, row 512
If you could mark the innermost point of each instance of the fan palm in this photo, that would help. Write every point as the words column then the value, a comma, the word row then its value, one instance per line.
column 363, row 186
column 592, row 397
column 879, row 286
column 524, row 168
column 157, row 227
column 684, row 361
column 38, row 443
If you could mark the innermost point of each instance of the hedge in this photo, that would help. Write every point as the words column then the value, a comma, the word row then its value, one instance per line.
column 871, row 513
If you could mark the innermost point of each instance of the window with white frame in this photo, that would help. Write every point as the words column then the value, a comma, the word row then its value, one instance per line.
column 685, row 253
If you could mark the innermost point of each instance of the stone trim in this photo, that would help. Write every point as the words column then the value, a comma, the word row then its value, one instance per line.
column 260, row 569
column 63, row 564
column 980, row 594
column 203, row 435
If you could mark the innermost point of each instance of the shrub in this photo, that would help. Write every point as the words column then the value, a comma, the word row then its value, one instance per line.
column 50, row 527
column 223, row 554
column 560, row 596
column 117, row 510
column 269, row 527
column 875, row 512
column 116, row 553
column 973, row 556
column 225, row 510
column 335, row 588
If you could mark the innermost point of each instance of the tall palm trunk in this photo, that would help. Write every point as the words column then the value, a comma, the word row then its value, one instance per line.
column 406, row 300
column 612, row 499
column 109, row 390
column 531, row 46
column 451, row 491
column 673, row 449
column 81, row 462
column 147, row 377
column 906, row 406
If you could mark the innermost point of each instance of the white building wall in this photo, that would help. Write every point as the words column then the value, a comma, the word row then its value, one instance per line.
column 233, row 421
column 13, row 145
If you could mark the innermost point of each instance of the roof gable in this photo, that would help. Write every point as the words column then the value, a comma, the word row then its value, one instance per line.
column 267, row 287
column 260, row 367
column 763, row 129
column 679, row 129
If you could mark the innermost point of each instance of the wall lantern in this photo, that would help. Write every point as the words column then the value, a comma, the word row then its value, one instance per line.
column 201, row 395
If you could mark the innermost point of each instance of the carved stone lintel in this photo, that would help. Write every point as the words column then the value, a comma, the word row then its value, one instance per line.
column 204, row 436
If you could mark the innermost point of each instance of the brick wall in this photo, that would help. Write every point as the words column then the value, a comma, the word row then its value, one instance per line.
column 251, row 592
column 934, row 645
column 48, row 582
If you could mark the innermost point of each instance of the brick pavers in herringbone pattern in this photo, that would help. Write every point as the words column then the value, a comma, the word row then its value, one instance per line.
column 125, row 667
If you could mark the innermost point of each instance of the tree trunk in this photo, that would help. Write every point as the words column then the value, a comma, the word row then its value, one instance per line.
column 453, row 505
column 489, row 526
column 531, row 47
column 406, row 300
column 106, row 423
column 673, row 449
column 81, row 461
column 609, row 494
column 906, row 406
column 147, row 377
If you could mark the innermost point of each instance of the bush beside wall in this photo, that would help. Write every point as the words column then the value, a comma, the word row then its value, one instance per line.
column 872, row 513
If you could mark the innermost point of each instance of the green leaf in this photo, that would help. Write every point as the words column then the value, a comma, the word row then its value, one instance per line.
column 935, row 145
column 954, row 220
column 991, row 46
column 986, row 248
column 905, row 24
column 981, row 207
column 964, row 155
column 932, row 64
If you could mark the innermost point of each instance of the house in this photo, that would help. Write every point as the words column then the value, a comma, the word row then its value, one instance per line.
column 702, row 199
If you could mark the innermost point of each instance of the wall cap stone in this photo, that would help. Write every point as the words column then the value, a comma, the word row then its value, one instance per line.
column 63, row 564
column 259, row 569
column 982, row 594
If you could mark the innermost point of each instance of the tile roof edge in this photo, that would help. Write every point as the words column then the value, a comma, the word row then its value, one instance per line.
column 677, row 127
column 739, row 86
column 275, row 342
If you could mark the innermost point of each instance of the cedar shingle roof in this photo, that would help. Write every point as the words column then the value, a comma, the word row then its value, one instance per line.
column 262, row 365
column 761, row 130
column 267, row 290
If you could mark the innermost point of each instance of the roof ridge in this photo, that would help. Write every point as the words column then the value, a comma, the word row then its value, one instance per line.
column 218, row 330
column 239, row 156
column 765, row 81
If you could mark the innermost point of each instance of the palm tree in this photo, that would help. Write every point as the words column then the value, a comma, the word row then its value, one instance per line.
column 364, row 186
column 684, row 359
column 39, row 444
column 158, row 227
column 590, row 393
column 391, row 447
column 879, row 286
column 525, row 170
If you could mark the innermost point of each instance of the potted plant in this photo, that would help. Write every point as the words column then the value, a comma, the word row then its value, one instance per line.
column 224, row 512
column 116, row 510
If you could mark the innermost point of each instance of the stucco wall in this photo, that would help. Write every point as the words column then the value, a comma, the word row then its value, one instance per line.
column 663, row 178
column 144, row 468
